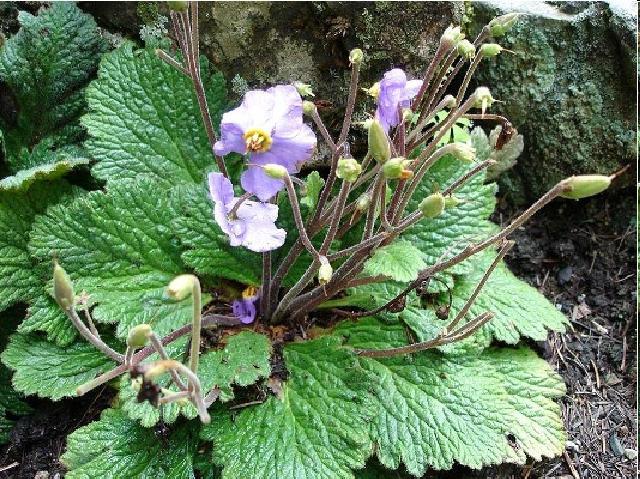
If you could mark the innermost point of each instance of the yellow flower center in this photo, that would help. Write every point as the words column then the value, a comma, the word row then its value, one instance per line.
column 258, row 140
column 250, row 292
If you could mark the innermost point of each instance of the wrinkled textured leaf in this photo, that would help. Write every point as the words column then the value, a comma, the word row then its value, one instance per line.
column 119, row 246
column 476, row 410
column 10, row 402
column 400, row 261
column 318, row 429
column 45, row 315
column 144, row 119
column 520, row 310
column 115, row 447
column 25, row 178
column 51, row 371
column 242, row 361
column 19, row 276
column 450, row 232
column 46, row 65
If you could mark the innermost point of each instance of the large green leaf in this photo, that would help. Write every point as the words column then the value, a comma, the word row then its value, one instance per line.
column 474, row 409
column 144, row 119
column 444, row 236
column 520, row 310
column 52, row 371
column 242, row 361
column 317, row 429
column 20, row 278
column 45, row 66
column 116, row 447
column 45, row 315
column 119, row 246
column 400, row 261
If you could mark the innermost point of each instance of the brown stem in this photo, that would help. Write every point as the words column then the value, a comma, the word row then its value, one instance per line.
column 468, row 175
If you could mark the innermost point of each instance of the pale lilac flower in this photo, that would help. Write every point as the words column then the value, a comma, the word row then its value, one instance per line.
column 268, row 127
column 245, row 309
column 395, row 92
column 253, row 225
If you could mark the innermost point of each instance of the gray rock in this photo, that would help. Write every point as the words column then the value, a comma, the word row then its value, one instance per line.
column 569, row 88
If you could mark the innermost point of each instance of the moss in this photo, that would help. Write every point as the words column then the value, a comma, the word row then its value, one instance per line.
column 147, row 12
column 563, row 90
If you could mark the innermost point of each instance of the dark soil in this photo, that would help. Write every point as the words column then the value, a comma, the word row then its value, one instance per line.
column 582, row 257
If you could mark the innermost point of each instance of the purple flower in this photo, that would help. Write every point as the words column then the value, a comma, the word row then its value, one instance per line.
column 245, row 309
column 395, row 92
column 253, row 224
column 268, row 127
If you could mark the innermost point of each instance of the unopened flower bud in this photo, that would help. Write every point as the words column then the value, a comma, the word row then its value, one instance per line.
column 449, row 101
column 356, row 56
column 308, row 107
column 452, row 202
column 374, row 90
column 348, row 169
column 451, row 37
column 178, row 6
column 181, row 287
column 463, row 151
column 489, row 50
column 275, row 171
column 325, row 272
column 502, row 24
column 585, row 185
column 433, row 205
column 483, row 98
column 396, row 168
column 62, row 287
column 379, row 147
column 466, row 49
column 363, row 202
column 138, row 336
column 304, row 89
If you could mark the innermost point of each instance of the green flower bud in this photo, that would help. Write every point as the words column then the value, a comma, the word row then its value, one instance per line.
column 449, row 101
column 463, row 151
column 62, row 287
column 433, row 205
column 348, row 169
column 325, row 272
column 304, row 89
column 396, row 169
column 356, row 56
column 181, row 287
column 363, row 202
column 178, row 6
column 374, row 90
column 583, row 186
column 466, row 49
column 451, row 37
column 483, row 98
column 138, row 336
column 379, row 147
column 489, row 50
column 275, row 171
column 502, row 24
column 452, row 202
column 308, row 107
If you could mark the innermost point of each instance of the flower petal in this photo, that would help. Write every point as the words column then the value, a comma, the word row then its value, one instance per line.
column 244, row 310
column 287, row 111
column 255, row 181
column 253, row 210
column 261, row 236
